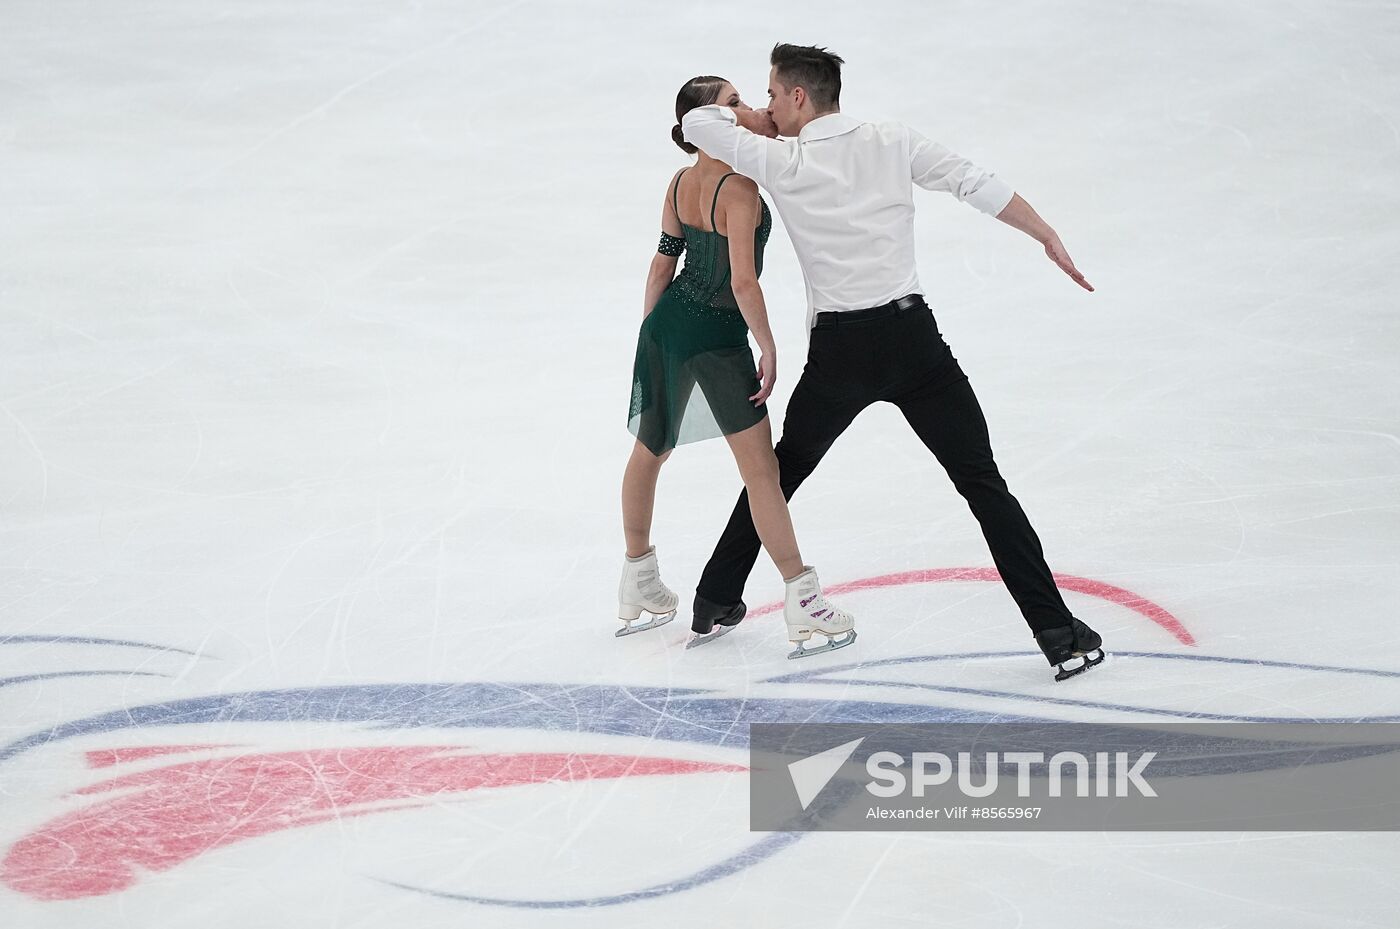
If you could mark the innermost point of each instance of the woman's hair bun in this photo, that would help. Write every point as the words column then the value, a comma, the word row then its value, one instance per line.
column 678, row 137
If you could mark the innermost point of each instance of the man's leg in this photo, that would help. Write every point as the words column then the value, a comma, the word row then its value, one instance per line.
column 948, row 419
column 816, row 416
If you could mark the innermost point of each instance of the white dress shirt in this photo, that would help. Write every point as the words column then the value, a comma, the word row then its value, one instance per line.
column 844, row 189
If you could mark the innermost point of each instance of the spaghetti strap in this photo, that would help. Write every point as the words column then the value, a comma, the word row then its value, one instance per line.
column 713, row 228
column 675, row 189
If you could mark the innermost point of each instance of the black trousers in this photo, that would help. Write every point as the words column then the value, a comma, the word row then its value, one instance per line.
column 901, row 359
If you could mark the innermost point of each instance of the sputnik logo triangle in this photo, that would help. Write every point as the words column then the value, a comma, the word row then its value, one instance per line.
column 814, row 772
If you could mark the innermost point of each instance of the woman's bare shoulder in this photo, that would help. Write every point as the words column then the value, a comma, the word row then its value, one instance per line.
column 741, row 184
column 738, row 189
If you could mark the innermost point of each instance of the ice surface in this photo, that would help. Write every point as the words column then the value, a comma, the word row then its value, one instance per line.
column 316, row 322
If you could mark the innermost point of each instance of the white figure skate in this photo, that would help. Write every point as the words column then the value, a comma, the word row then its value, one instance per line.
column 806, row 611
column 641, row 591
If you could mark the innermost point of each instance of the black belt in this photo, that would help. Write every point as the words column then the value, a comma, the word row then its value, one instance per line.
column 893, row 308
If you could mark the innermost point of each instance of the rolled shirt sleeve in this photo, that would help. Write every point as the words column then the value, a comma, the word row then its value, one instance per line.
column 715, row 130
column 934, row 167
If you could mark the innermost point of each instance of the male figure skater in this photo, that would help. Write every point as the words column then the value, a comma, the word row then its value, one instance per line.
column 845, row 191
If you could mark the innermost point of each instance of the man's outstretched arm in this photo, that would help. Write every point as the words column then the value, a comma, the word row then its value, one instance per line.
column 1020, row 215
column 934, row 167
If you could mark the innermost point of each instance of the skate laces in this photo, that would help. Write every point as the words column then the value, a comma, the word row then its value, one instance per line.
column 650, row 585
column 819, row 609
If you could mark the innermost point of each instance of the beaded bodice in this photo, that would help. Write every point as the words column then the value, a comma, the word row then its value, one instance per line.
column 705, row 279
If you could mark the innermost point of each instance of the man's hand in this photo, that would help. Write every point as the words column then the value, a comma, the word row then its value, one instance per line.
column 757, row 122
column 1055, row 250
column 1019, row 214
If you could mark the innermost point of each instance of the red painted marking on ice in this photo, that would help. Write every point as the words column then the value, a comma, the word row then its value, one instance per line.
column 1084, row 585
column 169, row 815
column 107, row 757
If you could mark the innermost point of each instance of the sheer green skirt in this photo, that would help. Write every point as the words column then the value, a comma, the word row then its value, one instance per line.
column 693, row 375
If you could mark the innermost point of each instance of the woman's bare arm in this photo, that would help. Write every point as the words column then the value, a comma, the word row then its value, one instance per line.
column 741, row 215
column 663, row 267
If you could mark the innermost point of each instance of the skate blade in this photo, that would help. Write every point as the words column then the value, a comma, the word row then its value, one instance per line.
column 830, row 646
column 632, row 627
column 1089, row 662
column 695, row 640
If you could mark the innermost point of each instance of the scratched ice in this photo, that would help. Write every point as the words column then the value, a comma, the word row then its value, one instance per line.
column 315, row 327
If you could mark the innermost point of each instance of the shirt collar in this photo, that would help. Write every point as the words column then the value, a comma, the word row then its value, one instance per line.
column 828, row 126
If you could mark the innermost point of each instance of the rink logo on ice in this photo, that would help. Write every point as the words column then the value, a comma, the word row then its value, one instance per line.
column 152, row 802
column 1073, row 776
column 169, row 804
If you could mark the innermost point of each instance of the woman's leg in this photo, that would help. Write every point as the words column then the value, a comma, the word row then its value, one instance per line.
column 758, row 466
column 639, row 498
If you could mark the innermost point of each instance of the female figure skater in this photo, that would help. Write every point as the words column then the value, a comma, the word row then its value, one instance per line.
column 694, row 379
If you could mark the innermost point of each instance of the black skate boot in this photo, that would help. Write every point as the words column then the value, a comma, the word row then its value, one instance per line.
column 1063, row 644
column 707, row 614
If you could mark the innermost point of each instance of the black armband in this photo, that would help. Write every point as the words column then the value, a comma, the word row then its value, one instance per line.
column 671, row 245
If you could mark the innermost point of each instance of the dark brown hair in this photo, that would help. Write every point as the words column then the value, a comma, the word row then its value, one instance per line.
column 815, row 70
column 696, row 92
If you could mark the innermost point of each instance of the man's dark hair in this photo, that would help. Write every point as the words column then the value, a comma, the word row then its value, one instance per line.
column 815, row 70
column 696, row 92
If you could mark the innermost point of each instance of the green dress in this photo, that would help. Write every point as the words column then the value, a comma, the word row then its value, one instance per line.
column 694, row 371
